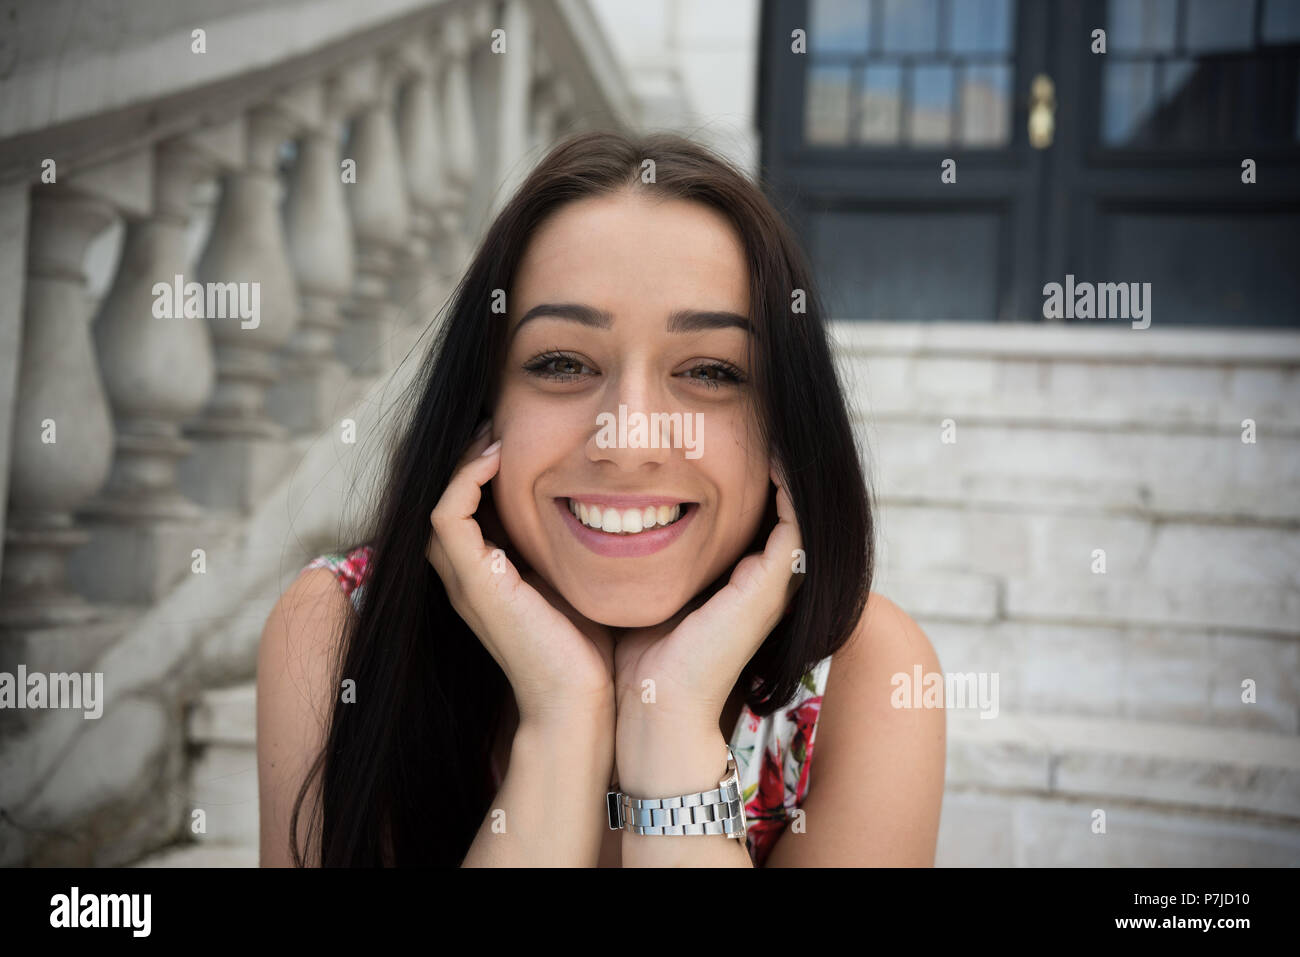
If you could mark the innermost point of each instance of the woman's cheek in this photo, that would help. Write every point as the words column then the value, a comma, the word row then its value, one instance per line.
column 506, row 493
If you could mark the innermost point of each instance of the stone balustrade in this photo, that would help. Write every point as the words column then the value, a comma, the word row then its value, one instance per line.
column 352, row 151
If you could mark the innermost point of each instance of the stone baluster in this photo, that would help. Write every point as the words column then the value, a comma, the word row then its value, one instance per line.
column 378, row 204
column 62, row 430
column 449, row 244
column 483, row 65
column 419, row 287
column 15, row 205
column 461, row 150
column 552, row 106
column 158, row 371
column 514, row 88
column 313, row 380
column 567, row 117
column 238, row 450
column 545, row 109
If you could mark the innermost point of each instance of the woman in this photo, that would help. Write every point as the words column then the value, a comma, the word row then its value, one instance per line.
column 556, row 599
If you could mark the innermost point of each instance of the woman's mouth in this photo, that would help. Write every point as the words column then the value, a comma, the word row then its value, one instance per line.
column 626, row 521
column 626, row 529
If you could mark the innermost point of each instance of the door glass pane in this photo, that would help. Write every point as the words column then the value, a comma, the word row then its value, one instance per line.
column 1281, row 21
column 838, row 26
column 879, row 105
column 1219, row 24
column 980, row 26
column 930, row 120
column 826, row 115
column 1146, row 25
column 1182, row 122
column 911, row 26
column 1128, row 94
column 1188, row 74
column 986, row 106
column 910, row 74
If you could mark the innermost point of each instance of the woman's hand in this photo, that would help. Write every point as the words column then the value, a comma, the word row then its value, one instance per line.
column 695, row 658
column 559, row 669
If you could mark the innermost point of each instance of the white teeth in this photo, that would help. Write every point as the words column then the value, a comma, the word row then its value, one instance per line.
column 626, row 521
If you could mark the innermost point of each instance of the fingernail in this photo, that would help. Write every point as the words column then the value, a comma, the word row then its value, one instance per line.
column 491, row 448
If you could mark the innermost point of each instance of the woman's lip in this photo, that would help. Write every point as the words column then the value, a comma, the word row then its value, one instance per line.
column 624, row 546
column 623, row 501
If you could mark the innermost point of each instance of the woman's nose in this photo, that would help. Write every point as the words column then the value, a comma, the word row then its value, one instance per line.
column 634, row 424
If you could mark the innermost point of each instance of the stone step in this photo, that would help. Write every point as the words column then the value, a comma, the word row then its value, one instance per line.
column 1098, row 600
column 1191, row 678
column 1013, row 544
column 1188, row 501
column 1116, row 760
column 1261, row 608
column 988, row 829
column 221, row 729
column 224, row 716
column 1163, row 457
column 1187, row 350
column 1129, row 412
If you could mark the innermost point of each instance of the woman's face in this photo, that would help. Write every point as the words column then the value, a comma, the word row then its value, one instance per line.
column 626, row 312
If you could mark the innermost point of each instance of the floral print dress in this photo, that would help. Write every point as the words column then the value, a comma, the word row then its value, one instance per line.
column 773, row 754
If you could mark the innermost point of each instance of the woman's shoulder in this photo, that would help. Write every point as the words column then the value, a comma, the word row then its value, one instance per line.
column 296, row 688
column 885, row 632
column 853, row 726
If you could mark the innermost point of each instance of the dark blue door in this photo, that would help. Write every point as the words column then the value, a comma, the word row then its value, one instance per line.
column 1120, row 166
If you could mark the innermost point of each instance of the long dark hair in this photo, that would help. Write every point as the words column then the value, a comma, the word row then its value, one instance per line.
column 405, row 773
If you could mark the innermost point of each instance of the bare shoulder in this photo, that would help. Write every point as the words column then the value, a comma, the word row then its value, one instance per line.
column 877, row 775
column 886, row 647
column 295, row 663
column 301, row 633
column 887, row 635
column 314, row 599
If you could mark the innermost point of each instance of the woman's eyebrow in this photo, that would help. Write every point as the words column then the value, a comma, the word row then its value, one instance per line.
column 692, row 320
column 683, row 320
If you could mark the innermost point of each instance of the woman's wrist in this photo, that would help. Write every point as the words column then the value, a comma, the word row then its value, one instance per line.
column 551, row 797
column 592, row 716
column 662, row 757
column 576, row 753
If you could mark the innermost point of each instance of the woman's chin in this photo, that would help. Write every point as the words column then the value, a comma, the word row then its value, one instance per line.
column 633, row 613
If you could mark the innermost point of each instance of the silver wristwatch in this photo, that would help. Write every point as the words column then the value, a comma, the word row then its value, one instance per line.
column 719, row 811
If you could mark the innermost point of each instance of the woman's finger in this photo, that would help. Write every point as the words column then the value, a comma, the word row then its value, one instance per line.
column 453, row 517
column 480, row 441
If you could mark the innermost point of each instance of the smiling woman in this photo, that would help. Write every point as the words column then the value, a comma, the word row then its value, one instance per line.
column 593, row 610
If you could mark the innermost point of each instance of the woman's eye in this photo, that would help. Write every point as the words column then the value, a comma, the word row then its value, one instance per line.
column 716, row 374
column 566, row 368
column 556, row 366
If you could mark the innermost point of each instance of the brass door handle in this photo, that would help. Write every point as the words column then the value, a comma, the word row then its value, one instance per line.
column 1042, row 112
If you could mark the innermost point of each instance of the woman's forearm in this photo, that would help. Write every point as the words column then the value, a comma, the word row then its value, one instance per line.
column 550, row 809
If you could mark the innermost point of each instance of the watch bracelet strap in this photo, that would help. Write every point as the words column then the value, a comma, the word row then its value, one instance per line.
column 717, row 811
